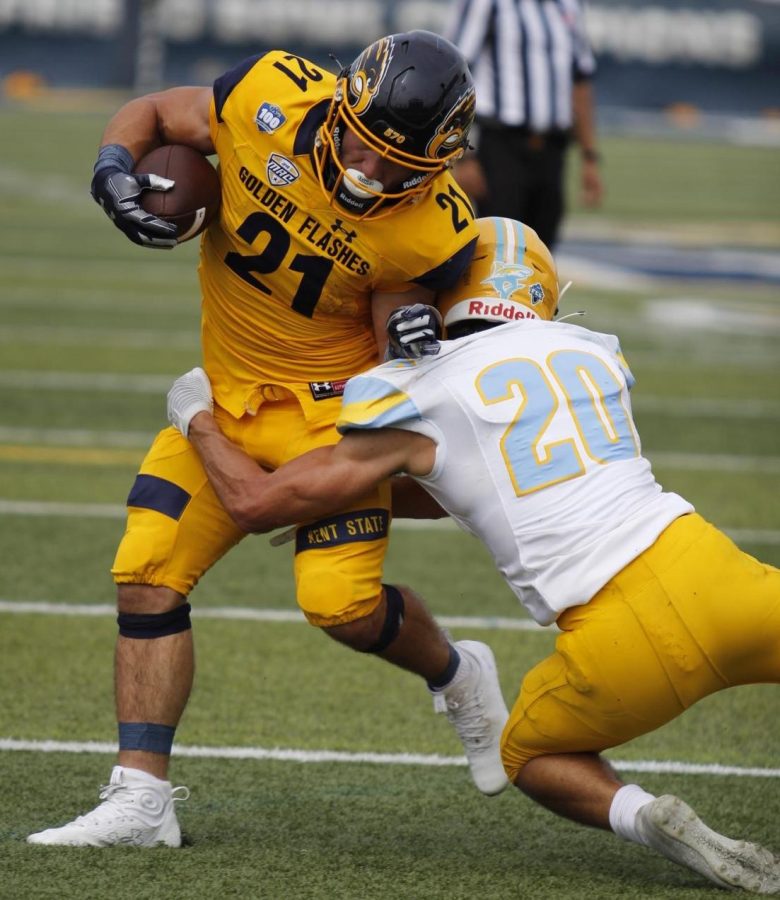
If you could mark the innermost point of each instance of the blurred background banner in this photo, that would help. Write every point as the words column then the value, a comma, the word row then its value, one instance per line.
column 715, row 55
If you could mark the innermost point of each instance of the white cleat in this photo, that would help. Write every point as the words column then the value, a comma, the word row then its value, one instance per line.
column 137, row 811
column 475, row 706
column 673, row 829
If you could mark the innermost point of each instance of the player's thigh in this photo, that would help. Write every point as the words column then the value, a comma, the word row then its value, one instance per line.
column 729, row 601
column 339, row 561
column 690, row 616
column 339, row 558
column 603, row 686
column 176, row 527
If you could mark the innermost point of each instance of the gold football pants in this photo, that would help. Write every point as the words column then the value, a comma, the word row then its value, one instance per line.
column 691, row 615
column 177, row 528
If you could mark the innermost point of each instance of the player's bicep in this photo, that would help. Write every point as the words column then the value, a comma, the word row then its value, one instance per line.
column 317, row 483
column 327, row 479
column 352, row 468
column 183, row 117
column 338, row 476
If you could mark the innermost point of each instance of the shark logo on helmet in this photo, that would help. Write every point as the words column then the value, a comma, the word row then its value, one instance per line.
column 511, row 277
column 507, row 279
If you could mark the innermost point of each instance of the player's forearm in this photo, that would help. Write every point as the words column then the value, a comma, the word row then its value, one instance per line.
column 176, row 116
column 237, row 479
column 134, row 126
column 259, row 501
column 585, row 120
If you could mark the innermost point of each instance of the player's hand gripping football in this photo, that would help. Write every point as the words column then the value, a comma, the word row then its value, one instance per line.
column 189, row 395
column 118, row 191
column 413, row 332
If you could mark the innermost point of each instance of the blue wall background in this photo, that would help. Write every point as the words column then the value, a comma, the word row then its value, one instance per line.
column 719, row 55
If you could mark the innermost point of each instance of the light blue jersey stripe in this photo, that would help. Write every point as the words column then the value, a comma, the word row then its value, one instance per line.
column 372, row 403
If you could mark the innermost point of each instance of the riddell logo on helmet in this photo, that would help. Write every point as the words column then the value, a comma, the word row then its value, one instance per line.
column 510, row 312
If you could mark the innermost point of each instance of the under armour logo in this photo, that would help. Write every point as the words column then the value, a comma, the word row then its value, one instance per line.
column 324, row 390
column 339, row 226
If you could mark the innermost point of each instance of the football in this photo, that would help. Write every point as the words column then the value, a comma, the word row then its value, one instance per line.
column 193, row 201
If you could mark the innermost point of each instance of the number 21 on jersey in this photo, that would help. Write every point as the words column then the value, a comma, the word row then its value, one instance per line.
column 594, row 410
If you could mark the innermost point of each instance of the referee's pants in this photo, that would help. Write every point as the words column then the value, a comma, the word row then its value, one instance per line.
column 525, row 177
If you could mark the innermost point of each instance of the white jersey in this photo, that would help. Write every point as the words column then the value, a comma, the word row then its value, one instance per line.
column 537, row 453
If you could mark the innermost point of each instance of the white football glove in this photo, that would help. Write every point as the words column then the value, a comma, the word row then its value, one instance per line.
column 189, row 395
column 413, row 332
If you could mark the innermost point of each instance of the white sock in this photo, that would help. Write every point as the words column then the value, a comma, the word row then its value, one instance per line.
column 140, row 775
column 464, row 668
column 622, row 814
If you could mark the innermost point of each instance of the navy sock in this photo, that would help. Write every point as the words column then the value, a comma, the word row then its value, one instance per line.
column 436, row 684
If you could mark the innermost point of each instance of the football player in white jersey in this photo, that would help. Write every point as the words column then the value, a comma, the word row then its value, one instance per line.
column 521, row 428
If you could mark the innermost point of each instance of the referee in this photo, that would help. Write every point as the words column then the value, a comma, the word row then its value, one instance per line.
column 532, row 66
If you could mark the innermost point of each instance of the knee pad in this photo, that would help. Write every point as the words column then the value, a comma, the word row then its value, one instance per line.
column 394, row 617
column 154, row 625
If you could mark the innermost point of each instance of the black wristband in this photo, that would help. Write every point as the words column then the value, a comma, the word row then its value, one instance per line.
column 591, row 156
column 114, row 156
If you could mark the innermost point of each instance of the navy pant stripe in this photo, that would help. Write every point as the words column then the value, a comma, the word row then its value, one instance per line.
column 151, row 492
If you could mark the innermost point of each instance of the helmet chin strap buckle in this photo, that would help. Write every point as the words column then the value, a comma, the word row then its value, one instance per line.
column 360, row 185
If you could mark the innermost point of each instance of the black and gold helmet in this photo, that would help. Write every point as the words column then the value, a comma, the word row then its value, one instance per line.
column 410, row 98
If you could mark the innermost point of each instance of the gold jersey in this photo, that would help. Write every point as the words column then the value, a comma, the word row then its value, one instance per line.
column 287, row 281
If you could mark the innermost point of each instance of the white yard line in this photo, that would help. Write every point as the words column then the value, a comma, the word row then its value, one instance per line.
column 114, row 451
column 715, row 462
column 74, row 437
column 381, row 759
column 39, row 508
column 247, row 614
column 123, row 449
column 129, row 383
column 66, row 510
column 717, row 354
column 24, row 379
column 706, row 407
column 73, row 335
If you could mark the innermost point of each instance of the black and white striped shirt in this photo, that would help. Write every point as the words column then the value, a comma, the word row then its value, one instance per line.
column 524, row 56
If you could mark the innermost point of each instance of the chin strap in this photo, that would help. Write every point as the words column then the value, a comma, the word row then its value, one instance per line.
column 571, row 315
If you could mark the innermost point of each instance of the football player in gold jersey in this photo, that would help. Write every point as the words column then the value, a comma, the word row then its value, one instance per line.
column 337, row 206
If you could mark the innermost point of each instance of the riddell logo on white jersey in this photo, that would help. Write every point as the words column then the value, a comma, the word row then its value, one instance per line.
column 509, row 311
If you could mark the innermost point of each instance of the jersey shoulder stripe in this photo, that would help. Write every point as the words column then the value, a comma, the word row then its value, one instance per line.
column 446, row 275
column 225, row 84
column 371, row 402
column 307, row 131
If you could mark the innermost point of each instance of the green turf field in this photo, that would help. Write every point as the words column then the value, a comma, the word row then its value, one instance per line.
column 92, row 331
